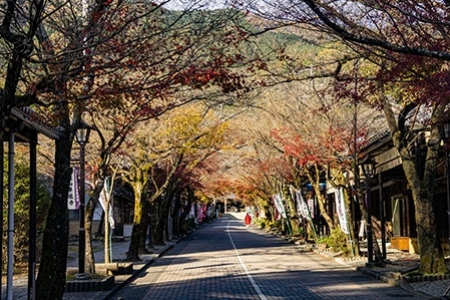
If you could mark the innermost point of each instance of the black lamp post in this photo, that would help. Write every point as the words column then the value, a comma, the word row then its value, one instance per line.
column 444, row 130
column 82, row 137
column 368, row 169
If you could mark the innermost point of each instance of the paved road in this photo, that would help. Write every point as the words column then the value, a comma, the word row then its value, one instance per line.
column 227, row 260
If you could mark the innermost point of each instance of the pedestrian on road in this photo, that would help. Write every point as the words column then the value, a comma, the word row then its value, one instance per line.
column 248, row 219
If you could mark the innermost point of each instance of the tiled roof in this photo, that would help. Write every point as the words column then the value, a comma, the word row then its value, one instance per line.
column 33, row 120
column 377, row 137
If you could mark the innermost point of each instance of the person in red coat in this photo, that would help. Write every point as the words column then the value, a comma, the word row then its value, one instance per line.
column 248, row 219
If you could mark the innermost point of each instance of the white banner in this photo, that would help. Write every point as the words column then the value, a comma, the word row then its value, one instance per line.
column 310, row 203
column 302, row 207
column 73, row 199
column 362, row 228
column 341, row 211
column 104, row 198
column 279, row 205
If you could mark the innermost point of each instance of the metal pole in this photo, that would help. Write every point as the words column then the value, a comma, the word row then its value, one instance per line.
column 2, row 166
column 356, row 184
column 447, row 166
column 32, row 224
column 11, row 179
column 382, row 220
column 81, row 233
column 369, row 223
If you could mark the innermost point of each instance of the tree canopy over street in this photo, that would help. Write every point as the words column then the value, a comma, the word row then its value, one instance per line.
column 197, row 103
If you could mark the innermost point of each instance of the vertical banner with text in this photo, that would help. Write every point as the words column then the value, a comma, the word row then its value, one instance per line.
column 279, row 205
column 73, row 199
column 105, row 200
column 302, row 207
column 341, row 211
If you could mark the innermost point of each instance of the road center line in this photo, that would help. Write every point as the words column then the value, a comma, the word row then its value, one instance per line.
column 247, row 272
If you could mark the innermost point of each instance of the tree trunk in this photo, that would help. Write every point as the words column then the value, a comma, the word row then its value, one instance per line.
column 161, row 218
column 186, row 209
column 158, row 228
column 133, row 250
column 101, row 225
column 293, row 217
column 267, row 212
column 430, row 248
column 88, row 217
column 142, row 248
column 149, row 232
column 176, row 217
column 431, row 254
column 323, row 210
column 184, row 214
column 107, row 242
column 315, row 181
column 52, row 269
column 353, row 240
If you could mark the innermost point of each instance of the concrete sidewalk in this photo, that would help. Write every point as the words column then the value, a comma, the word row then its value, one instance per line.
column 119, row 249
column 394, row 271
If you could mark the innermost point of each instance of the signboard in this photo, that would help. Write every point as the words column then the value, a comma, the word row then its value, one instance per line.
column 279, row 205
column 73, row 199
column 105, row 201
column 341, row 211
column 302, row 207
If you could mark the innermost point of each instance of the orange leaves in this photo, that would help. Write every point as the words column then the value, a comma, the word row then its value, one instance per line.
column 321, row 148
column 208, row 74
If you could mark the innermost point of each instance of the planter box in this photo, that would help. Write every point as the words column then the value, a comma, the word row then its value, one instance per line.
column 90, row 285
column 400, row 243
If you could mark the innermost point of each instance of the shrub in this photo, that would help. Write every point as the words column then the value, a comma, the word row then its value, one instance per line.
column 337, row 241
column 301, row 231
column 260, row 222
column 322, row 240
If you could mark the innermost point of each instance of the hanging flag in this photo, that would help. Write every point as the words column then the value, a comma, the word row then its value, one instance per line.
column 279, row 205
column 104, row 198
column 310, row 203
column 73, row 199
column 302, row 207
column 340, row 207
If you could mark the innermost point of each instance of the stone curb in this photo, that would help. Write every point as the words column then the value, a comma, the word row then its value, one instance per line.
column 89, row 285
column 136, row 273
column 393, row 278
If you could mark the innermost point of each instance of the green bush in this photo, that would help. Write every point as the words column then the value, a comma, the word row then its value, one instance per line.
column 322, row 240
column 277, row 224
column 260, row 222
column 337, row 241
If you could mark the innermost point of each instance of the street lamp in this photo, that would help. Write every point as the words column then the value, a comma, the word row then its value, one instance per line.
column 82, row 137
column 444, row 130
column 368, row 169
